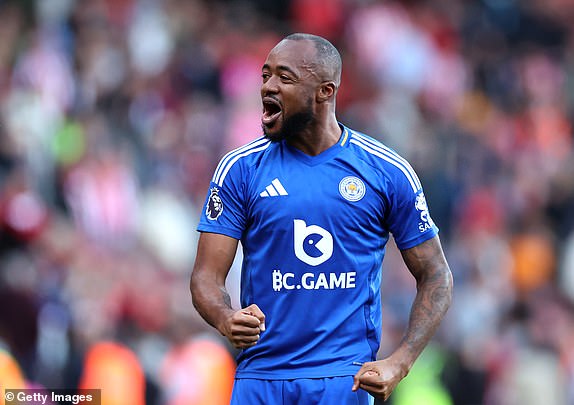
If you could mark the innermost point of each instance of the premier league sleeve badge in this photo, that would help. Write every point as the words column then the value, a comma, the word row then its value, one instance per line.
column 214, row 206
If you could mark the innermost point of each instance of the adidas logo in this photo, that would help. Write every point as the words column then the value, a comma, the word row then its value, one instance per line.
column 274, row 189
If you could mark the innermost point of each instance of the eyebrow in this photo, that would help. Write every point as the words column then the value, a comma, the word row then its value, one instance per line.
column 281, row 67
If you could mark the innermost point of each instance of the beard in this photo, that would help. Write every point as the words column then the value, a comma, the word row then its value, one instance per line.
column 292, row 125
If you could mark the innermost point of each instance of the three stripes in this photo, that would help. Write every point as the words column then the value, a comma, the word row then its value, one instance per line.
column 229, row 160
column 380, row 150
column 274, row 189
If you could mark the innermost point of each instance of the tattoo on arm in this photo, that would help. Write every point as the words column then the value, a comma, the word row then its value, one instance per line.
column 434, row 293
column 226, row 297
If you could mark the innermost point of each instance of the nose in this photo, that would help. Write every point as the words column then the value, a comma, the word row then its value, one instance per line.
column 270, row 86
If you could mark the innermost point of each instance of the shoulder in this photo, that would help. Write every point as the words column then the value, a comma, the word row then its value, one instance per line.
column 244, row 156
column 386, row 160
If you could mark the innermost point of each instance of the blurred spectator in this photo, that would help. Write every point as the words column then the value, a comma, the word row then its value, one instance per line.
column 115, row 370
column 10, row 373
column 198, row 372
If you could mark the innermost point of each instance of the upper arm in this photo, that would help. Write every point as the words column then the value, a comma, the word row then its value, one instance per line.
column 427, row 262
column 408, row 216
column 215, row 254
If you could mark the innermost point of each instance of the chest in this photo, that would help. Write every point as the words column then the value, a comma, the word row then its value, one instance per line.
column 337, row 194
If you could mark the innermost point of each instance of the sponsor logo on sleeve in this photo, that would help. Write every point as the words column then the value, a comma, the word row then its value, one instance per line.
column 421, row 205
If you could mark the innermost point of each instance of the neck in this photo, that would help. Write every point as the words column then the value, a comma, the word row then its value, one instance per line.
column 317, row 137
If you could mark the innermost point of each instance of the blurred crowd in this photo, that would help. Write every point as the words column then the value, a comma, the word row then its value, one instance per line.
column 114, row 114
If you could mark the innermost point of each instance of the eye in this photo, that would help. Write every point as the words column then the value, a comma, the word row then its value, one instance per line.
column 265, row 76
column 285, row 78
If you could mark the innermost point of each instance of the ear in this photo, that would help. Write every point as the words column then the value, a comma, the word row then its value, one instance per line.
column 326, row 91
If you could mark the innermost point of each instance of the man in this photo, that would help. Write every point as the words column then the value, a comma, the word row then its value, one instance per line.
column 313, row 203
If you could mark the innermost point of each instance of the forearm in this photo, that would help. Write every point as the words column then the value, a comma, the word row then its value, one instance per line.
column 434, row 290
column 214, row 257
column 431, row 303
column 241, row 327
column 434, row 295
column 210, row 299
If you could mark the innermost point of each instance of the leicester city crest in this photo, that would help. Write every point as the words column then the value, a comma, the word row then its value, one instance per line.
column 352, row 188
column 214, row 206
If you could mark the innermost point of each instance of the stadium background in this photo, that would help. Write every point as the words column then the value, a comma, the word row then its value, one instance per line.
column 114, row 113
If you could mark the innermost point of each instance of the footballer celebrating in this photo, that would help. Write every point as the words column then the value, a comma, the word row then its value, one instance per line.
column 313, row 203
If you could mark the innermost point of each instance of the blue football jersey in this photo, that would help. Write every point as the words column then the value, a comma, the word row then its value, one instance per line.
column 313, row 231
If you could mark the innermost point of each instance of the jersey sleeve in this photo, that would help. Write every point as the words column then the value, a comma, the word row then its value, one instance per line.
column 409, row 219
column 224, row 208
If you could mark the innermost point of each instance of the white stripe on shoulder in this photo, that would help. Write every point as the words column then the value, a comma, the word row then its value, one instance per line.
column 230, row 155
column 391, row 154
column 407, row 171
column 236, row 157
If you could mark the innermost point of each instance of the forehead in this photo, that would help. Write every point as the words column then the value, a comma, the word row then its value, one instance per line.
column 294, row 54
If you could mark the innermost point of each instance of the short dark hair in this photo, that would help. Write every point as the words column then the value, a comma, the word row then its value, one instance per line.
column 327, row 54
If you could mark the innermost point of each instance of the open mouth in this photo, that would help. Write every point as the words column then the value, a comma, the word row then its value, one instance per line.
column 271, row 111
